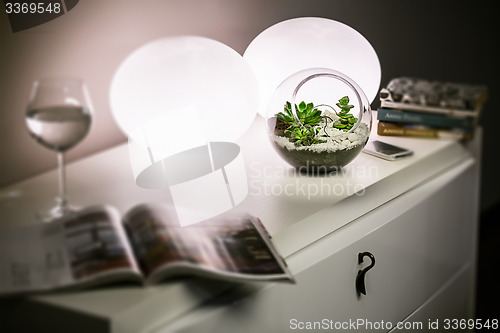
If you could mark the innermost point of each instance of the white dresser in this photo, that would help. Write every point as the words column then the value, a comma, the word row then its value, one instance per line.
column 416, row 218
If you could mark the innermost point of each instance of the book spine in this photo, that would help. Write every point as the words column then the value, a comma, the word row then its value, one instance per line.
column 383, row 129
column 428, row 119
column 399, row 129
column 430, row 109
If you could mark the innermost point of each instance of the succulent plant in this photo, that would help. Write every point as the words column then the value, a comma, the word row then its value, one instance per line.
column 346, row 120
column 303, row 132
column 306, row 113
column 304, row 135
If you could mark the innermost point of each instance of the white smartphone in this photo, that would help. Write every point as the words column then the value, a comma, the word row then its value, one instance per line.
column 385, row 150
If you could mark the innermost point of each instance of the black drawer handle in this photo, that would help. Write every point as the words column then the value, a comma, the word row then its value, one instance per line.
column 360, row 278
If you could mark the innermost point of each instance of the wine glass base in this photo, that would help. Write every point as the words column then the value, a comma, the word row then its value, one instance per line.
column 56, row 212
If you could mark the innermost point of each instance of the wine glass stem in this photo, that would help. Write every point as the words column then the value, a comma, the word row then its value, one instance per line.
column 62, row 201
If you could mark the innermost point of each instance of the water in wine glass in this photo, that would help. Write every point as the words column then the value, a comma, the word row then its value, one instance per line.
column 58, row 127
column 59, row 116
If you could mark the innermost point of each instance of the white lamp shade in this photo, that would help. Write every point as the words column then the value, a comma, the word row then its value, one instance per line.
column 165, row 78
column 310, row 42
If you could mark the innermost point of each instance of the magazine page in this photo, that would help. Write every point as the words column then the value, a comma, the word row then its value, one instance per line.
column 87, row 248
column 231, row 247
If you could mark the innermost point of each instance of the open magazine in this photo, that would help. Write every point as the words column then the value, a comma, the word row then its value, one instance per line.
column 96, row 247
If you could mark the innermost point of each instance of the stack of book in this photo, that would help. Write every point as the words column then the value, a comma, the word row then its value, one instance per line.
column 422, row 108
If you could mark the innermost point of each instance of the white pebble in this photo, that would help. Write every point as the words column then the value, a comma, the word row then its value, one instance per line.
column 352, row 137
column 335, row 141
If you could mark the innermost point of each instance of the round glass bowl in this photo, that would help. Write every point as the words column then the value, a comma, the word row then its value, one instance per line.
column 318, row 120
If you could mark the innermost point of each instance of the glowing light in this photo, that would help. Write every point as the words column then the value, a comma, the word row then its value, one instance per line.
column 309, row 42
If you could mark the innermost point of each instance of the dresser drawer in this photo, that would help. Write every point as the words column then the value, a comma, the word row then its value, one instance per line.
column 419, row 241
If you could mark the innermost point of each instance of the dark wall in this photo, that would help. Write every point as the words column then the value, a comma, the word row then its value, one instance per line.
column 439, row 40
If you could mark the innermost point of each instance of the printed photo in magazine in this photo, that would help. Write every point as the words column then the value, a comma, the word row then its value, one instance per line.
column 96, row 247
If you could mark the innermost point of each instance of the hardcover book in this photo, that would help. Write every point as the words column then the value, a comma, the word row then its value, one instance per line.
column 421, row 131
column 428, row 119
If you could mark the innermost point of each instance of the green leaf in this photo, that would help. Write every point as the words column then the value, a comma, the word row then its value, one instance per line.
column 317, row 113
column 344, row 100
column 302, row 106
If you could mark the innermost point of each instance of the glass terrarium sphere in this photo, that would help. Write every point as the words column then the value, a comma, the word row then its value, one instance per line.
column 318, row 120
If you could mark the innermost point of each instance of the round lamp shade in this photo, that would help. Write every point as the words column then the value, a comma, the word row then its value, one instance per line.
column 183, row 82
column 310, row 42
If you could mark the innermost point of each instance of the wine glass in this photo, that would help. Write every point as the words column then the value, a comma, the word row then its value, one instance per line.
column 58, row 116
